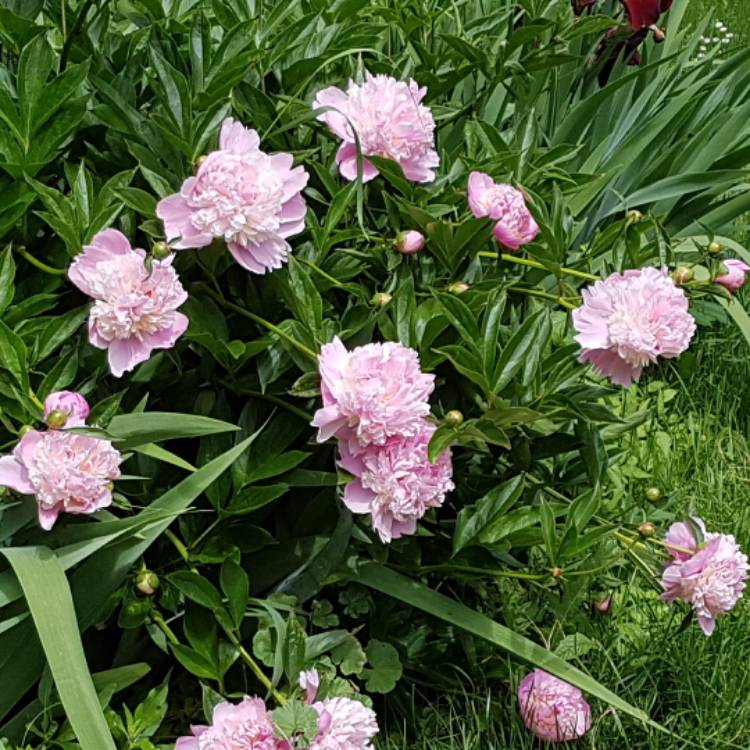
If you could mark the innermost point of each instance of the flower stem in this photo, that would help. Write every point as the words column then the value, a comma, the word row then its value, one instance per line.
column 484, row 571
column 536, row 264
column 545, row 295
column 21, row 250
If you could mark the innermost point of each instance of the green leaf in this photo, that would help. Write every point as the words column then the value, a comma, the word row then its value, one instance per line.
column 252, row 498
column 13, row 356
column 7, row 275
column 236, row 587
column 385, row 667
column 132, row 430
column 49, row 599
column 521, row 346
column 418, row 595
column 194, row 662
column 294, row 721
column 462, row 318
column 197, row 589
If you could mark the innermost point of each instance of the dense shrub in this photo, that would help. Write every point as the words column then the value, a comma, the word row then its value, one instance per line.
column 228, row 561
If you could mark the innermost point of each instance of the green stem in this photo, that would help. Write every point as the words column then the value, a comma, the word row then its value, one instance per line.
column 171, row 637
column 484, row 571
column 322, row 273
column 265, row 324
column 536, row 264
column 21, row 250
column 301, row 413
column 256, row 670
column 545, row 295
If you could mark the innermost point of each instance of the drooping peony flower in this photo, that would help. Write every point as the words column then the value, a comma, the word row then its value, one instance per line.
column 710, row 576
column 344, row 724
column 389, row 120
column 734, row 278
column 309, row 681
column 250, row 199
column 396, row 483
column 515, row 225
column 553, row 709
column 134, row 310
column 410, row 242
column 70, row 403
column 242, row 726
column 627, row 321
column 68, row 473
column 371, row 393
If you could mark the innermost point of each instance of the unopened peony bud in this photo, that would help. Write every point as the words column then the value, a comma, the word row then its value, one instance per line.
column 454, row 417
column 681, row 275
column 714, row 248
column 459, row 287
column 200, row 160
column 633, row 217
column 647, row 529
column 161, row 250
column 381, row 299
column 410, row 242
column 653, row 494
column 556, row 572
column 24, row 429
column 57, row 419
column 147, row 582
column 603, row 605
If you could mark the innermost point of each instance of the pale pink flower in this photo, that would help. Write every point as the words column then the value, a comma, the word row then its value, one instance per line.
column 506, row 205
column 250, row 199
column 309, row 681
column 396, row 483
column 135, row 309
column 67, row 472
column 242, row 726
column 553, row 709
column 711, row 578
column 734, row 278
column 389, row 119
column 410, row 242
column 627, row 321
column 70, row 403
column 344, row 724
column 371, row 393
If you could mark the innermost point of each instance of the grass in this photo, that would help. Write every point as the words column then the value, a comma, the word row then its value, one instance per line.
column 696, row 687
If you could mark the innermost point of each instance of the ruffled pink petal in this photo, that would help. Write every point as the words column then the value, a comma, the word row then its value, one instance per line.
column 358, row 498
column 329, row 421
column 236, row 138
column 610, row 364
column 176, row 214
column 346, row 158
column 479, row 184
column 48, row 517
column 126, row 354
column 708, row 624
column 13, row 474
column 261, row 257
column 337, row 99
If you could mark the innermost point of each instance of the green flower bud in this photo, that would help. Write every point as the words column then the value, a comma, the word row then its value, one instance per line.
column 653, row 494
column 458, row 287
column 200, row 160
column 381, row 299
column 714, row 248
column 454, row 417
column 681, row 275
column 647, row 529
column 147, row 582
column 633, row 217
column 57, row 419
column 556, row 572
column 25, row 429
column 161, row 251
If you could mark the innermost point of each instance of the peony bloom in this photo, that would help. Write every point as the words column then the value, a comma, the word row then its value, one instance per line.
column 134, row 310
column 396, row 482
column 371, row 393
column 410, row 242
column 734, row 278
column 309, row 681
column 710, row 576
column 627, row 321
column 250, row 199
column 68, row 473
column 242, row 726
column 73, row 405
column 343, row 724
column 505, row 204
column 389, row 120
column 553, row 709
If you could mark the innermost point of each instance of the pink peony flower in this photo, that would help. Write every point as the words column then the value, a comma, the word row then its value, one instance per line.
column 134, row 310
column 390, row 121
column 734, row 278
column 710, row 576
column 70, row 403
column 250, row 199
column 371, row 393
column 344, row 724
column 242, row 726
column 410, row 242
column 553, row 709
column 309, row 681
column 627, row 321
column 396, row 482
column 507, row 205
column 66, row 472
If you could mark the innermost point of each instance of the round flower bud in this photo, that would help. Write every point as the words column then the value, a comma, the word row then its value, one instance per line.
column 714, row 248
column 633, row 217
column 647, row 529
column 57, row 419
column 458, row 287
column 681, row 275
column 409, row 242
column 603, row 605
column 25, row 429
column 556, row 572
column 381, row 299
column 147, row 582
column 454, row 417
column 653, row 494
column 161, row 250
column 201, row 159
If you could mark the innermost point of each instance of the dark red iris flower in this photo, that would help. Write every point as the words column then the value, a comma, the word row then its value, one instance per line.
column 645, row 13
